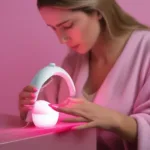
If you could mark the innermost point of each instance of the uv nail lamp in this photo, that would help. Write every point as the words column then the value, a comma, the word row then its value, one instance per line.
column 43, row 116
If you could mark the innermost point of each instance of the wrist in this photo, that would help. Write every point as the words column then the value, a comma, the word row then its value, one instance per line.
column 117, row 121
column 125, row 127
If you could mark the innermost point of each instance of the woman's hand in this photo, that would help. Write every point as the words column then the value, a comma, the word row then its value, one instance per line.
column 96, row 116
column 26, row 100
column 92, row 114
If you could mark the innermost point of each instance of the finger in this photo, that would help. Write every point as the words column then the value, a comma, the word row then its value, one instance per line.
column 29, row 107
column 64, row 110
column 27, row 102
column 27, row 95
column 71, row 111
column 85, row 126
column 66, row 102
column 29, row 88
column 25, row 108
column 75, row 100
column 75, row 119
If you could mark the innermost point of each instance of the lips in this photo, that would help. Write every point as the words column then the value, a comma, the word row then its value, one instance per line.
column 74, row 47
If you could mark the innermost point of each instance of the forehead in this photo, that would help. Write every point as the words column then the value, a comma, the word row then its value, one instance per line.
column 56, row 15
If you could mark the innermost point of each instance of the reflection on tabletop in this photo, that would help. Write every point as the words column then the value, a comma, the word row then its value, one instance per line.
column 12, row 128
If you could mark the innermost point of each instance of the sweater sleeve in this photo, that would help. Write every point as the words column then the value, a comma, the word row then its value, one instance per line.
column 141, row 113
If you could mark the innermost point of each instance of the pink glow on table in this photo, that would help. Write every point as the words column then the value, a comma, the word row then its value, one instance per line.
column 12, row 129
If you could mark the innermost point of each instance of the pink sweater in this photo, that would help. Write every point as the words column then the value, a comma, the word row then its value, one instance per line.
column 126, row 89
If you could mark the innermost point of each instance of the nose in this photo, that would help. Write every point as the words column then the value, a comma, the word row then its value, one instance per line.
column 63, row 38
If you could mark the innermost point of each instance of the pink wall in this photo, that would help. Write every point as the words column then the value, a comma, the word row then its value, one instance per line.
column 26, row 45
column 138, row 8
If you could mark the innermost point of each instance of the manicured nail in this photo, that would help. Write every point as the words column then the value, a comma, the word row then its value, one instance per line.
column 33, row 89
column 74, row 128
column 64, row 103
column 33, row 95
column 53, row 106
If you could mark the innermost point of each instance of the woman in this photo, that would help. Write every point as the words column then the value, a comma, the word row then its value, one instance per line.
column 110, row 66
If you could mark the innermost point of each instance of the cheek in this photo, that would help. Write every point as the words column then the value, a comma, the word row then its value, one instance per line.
column 91, row 33
column 85, row 34
column 79, row 35
column 75, row 35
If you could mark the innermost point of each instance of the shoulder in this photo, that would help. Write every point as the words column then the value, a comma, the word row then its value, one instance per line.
column 141, row 43
column 143, row 37
column 145, row 43
column 143, row 50
column 144, row 34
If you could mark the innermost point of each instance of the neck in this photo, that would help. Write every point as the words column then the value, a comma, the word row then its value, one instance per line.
column 105, row 51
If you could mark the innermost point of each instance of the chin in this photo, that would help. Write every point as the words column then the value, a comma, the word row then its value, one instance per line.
column 82, row 50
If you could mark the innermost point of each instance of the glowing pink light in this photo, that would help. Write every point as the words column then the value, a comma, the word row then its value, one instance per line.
column 43, row 115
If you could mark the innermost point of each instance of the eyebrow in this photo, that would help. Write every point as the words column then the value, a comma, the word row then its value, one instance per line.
column 59, row 24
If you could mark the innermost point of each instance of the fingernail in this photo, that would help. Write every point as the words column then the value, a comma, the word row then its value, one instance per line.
column 35, row 89
column 53, row 105
column 33, row 95
column 65, row 102
column 73, row 128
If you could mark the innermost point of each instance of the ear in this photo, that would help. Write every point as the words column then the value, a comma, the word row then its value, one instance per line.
column 99, row 15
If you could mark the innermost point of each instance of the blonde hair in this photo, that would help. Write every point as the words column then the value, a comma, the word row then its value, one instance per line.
column 114, row 19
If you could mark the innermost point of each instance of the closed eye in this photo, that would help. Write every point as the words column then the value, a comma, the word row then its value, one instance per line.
column 68, row 25
column 65, row 26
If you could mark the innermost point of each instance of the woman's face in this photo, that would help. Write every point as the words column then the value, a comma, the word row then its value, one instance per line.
column 76, row 29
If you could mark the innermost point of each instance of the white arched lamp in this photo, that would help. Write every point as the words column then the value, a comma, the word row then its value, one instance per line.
column 43, row 116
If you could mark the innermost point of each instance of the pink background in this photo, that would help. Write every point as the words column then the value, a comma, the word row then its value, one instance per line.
column 26, row 45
